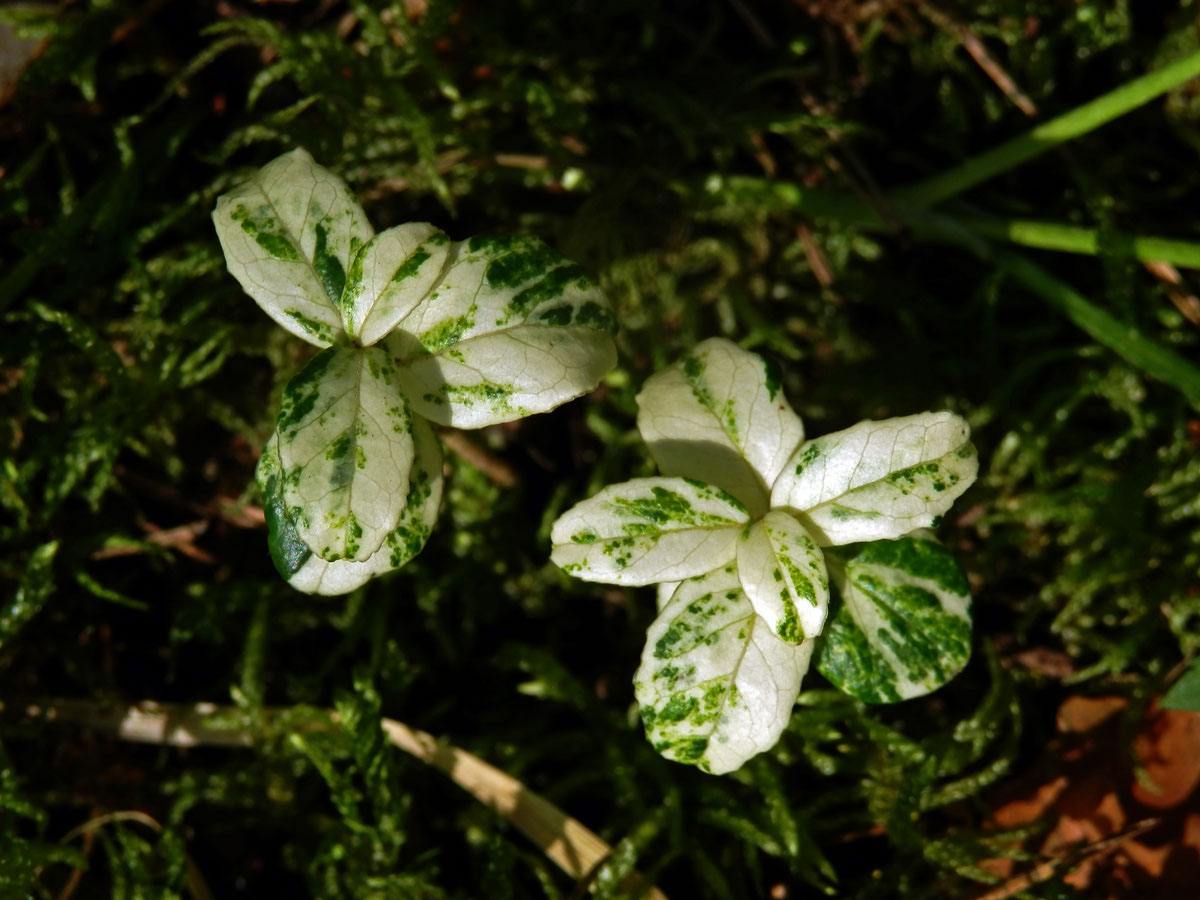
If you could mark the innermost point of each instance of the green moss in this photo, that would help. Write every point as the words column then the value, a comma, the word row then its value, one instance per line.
column 137, row 381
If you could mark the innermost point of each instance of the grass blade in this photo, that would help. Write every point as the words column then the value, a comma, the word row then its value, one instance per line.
column 1068, row 126
column 1124, row 340
column 1089, row 241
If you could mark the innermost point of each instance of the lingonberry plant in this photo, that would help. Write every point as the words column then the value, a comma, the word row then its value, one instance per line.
column 415, row 328
column 735, row 533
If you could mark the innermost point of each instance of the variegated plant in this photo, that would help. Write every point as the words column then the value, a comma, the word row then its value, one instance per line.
column 414, row 328
column 734, row 534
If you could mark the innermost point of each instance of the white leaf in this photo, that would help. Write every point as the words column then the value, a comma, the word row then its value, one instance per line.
column 719, row 415
column 715, row 686
column 878, row 479
column 390, row 275
column 663, row 591
column 648, row 530
column 783, row 573
column 307, row 572
column 289, row 235
column 345, row 449
column 511, row 329
column 903, row 627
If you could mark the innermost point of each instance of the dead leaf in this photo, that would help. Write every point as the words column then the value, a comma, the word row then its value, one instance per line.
column 1080, row 714
column 1168, row 748
column 1024, row 810
column 15, row 54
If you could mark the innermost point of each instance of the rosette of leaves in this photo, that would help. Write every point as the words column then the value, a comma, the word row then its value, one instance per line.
column 750, row 533
column 414, row 329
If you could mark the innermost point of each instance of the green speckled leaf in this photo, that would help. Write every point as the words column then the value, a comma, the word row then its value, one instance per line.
column 719, row 415
column 878, row 479
column 289, row 235
column 648, row 530
column 715, row 686
column 307, row 572
column 903, row 626
column 783, row 573
column 345, row 451
column 511, row 329
column 390, row 275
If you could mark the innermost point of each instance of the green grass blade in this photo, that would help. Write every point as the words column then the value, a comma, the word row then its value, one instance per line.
column 1068, row 126
column 1088, row 241
column 1124, row 340
column 848, row 209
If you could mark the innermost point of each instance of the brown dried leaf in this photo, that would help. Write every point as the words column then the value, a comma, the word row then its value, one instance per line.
column 1081, row 714
column 1168, row 748
column 1024, row 810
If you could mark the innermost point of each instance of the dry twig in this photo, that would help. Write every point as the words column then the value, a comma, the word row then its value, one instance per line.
column 1046, row 870
column 982, row 57
column 1185, row 301
column 497, row 471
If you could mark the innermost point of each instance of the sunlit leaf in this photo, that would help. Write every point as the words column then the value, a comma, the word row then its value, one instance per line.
column 783, row 573
column 903, row 627
column 648, row 530
column 878, row 479
column 719, row 415
column 389, row 276
column 345, row 451
column 715, row 685
column 305, row 571
column 511, row 329
column 289, row 236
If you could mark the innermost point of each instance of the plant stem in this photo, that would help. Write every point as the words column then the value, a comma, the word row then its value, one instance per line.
column 1073, row 124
